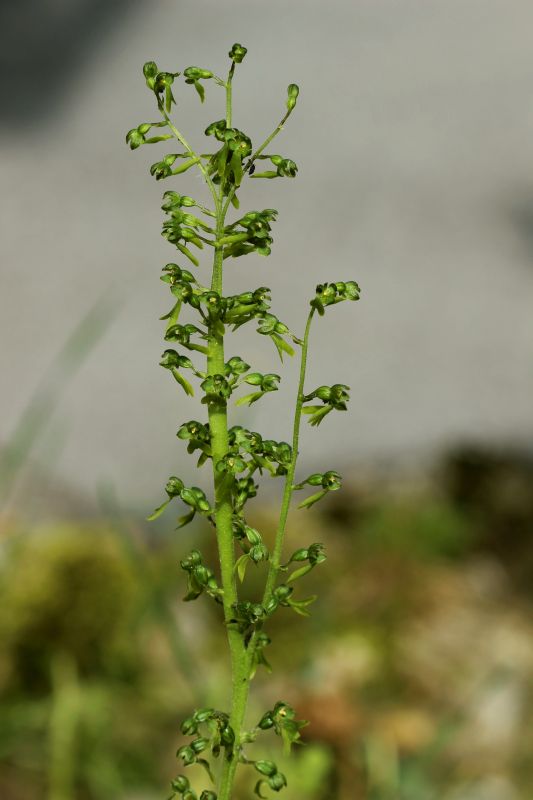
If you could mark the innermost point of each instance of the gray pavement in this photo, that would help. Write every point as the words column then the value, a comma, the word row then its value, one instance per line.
column 414, row 139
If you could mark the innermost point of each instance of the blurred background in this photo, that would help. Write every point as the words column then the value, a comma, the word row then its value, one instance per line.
column 413, row 137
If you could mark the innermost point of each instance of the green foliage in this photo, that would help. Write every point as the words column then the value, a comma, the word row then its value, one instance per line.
column 238, row 457
column 56, row 596
column 427, row 530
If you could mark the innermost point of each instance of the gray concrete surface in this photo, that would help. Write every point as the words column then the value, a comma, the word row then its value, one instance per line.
column 414, row 138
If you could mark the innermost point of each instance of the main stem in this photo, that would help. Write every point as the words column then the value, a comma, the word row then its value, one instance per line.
column 218, row 423
column 240, row 656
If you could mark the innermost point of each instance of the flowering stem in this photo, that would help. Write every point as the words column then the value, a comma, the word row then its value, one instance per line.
column 269, row 139
column 275, row 560
column 236, row 453
column 218, row 425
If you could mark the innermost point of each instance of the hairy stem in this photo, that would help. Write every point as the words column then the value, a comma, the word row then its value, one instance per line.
column 218, row 422
column 228, row 94
column 244, row 666
column 268, row 139
column 181, row 139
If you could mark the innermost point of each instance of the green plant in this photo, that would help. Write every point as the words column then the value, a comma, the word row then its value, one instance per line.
column 238, row 455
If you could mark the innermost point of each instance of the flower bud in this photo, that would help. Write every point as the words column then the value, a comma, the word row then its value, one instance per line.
column 207, row 794
column 316, row 554
column 194, row 559
column 162, row 169
column 267, row 768
column 272, row 605
column 300, row 555
column 257, row 611
column 316, row 479
column 180, row 784
column 189, row 727
column 237, row 53
column 331, row 481
column 277, row 781
column 266, row 721
column 253, row 536
column 227, row 736
column 262, row 640
column 196, row 498
column 231, row 464
column 258, row 553
column 352, row 290
column 202, row 574
column 203, row 714
column 163, row 80
column 200, row 744
column 135, row 138
column 216, row 129
column 217, row 386
column 254, row 379
column 171, row 359
column 283, row 592
column 292, row 93
column 150, row 71
column 192, row 74
column 174, row 486
column 287, row 168
column 237, row 366
column 187, row 755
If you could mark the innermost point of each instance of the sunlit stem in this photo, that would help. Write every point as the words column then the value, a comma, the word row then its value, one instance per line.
column 268, row 140
column 275, row 560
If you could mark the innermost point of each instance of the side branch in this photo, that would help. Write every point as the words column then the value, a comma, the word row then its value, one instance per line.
column 181, row 139
column 275, row 561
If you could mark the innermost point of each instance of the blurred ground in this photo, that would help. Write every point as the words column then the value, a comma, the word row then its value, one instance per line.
column 413, row 139
column 415, row 669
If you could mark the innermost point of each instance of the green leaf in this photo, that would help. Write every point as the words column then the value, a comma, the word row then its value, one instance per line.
column 311, row 409
column 194, row 590
column 158, row 511
column 269, row 173
column 221, row 161
column 236, row 168
column 300, row 606
column 200, row 89
column 240, row 566
column 281, row 345
column 312, row 499
column 318, row 413
column 205, row 765
column 168, row 99
column 202, row 459
column 249, row 398
column 299, row 573
column 182, row 521
column 173, row 315
column 155, row 139
column 185, row 166
column 187, row 252
column 183, row 382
